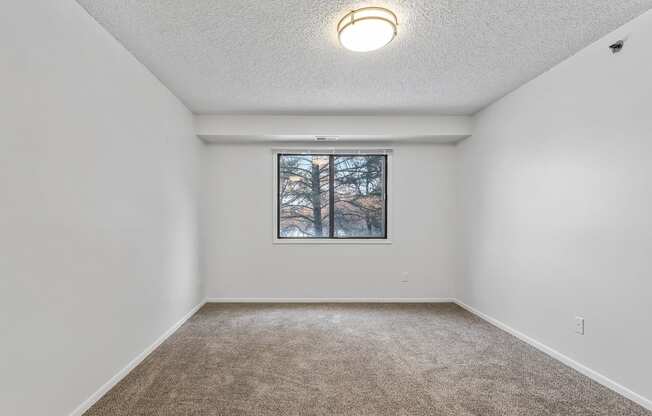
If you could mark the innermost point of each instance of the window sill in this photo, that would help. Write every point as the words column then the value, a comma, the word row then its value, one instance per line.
column 328, row 242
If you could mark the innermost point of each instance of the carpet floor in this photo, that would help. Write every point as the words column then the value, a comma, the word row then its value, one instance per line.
column 352, row 359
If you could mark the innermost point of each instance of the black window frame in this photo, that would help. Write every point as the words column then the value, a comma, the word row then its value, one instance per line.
column 331, row 196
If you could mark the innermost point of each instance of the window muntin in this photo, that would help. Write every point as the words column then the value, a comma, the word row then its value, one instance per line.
column 310, row 184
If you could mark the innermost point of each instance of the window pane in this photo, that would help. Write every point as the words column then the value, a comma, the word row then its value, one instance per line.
column 303, row 196
column 359, row 185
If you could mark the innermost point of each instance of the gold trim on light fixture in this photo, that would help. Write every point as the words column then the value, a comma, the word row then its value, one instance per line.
column 367, row 13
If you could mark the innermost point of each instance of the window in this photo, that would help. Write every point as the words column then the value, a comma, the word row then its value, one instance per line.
column 331, row 196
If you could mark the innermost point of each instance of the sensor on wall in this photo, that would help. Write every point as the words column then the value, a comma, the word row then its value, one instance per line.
column 617, row 46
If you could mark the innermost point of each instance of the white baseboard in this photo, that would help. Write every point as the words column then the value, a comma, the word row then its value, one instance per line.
column 330, row 300
column 594, row 375
column 122, row 373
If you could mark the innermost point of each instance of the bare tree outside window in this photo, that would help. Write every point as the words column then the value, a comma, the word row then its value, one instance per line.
column 359, row 196
column 354, row 185
column 303, row 196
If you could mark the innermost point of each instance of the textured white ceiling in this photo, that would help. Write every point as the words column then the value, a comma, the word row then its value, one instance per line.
column 282, row 56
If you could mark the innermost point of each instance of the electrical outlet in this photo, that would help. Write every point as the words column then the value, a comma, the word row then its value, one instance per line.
column 579, row 325
column 404, row 277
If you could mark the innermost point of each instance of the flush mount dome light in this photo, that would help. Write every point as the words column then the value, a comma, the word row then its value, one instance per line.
column 367, row 29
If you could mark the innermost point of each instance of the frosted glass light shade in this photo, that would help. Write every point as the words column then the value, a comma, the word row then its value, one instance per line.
column 367, row 29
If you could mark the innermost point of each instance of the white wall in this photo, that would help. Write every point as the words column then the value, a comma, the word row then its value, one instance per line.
column 556, row 191
column 98, row 173
column 240, row 260
column 397, row 128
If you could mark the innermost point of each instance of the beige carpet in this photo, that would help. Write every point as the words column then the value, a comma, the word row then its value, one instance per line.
column 352, row 359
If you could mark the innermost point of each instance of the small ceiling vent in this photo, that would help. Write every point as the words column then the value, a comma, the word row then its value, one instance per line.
column 326, row 138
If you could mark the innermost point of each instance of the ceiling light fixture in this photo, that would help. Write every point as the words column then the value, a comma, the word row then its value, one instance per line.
column 367, row 29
